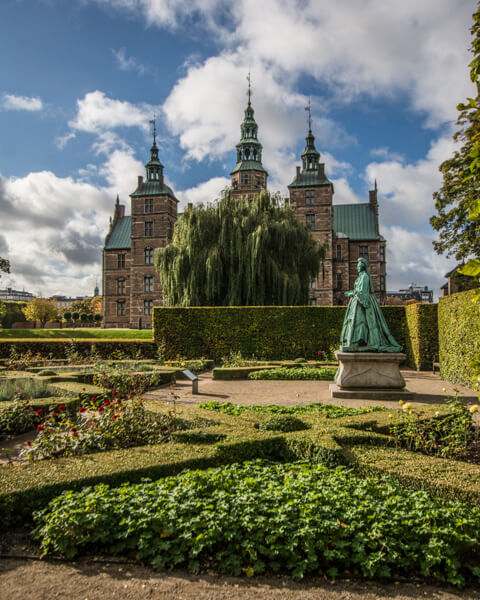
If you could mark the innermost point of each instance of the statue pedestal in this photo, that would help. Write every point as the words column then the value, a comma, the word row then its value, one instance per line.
column 370, row 375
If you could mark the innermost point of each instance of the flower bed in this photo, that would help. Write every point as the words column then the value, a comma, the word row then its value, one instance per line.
column 296, row 374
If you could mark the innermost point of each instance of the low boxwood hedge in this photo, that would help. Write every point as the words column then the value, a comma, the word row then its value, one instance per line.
column 104, row 348
column 357, row 441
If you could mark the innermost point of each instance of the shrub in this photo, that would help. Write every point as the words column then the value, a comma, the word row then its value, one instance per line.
column 97, row 317
column 445, row 435
column 126, row 382
column 67, row 316
column 298, row 373
column 259, row 517
column 115, row 424
column 283, row 423
column 300, row 360
column 75, row 316
column 18, row 418
column 45, row 372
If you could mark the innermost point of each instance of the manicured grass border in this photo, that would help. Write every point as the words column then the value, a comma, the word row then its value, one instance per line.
column 77, row 334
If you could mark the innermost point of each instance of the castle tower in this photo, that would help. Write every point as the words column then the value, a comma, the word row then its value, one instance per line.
column 312, row 193
column 154, row 212
column 248, row 177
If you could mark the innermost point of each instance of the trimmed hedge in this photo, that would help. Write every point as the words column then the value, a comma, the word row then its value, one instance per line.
column 459, row 336
column 422, row 338
column 57, row 348
column 358, row 441
column 268, row 332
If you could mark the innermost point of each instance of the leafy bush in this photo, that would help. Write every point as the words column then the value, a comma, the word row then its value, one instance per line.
column 300, row 360
column 330, row 410
column 23, row 388
column 444, row 435
column 115, row 424
column 45, row 372
column 297, row 373
column 259, row 517
column 118, row 377
column 18, row 418
column 283, row 423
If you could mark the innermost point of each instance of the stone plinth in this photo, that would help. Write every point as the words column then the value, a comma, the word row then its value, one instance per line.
column 370, row 375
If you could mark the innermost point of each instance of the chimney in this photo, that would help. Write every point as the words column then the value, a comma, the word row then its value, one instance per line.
column 140, row 180
column 298, row 172
column 321, row 170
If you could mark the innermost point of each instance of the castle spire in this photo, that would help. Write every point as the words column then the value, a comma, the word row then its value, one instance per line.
column 154, row 167
column 310, row 156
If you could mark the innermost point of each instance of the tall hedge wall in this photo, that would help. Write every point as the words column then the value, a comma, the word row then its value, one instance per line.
column 422, row 335
column 459, row 336
column 270, row 332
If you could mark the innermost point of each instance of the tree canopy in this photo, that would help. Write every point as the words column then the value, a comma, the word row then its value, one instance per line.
column 4, row 265
column 239, row 252
column 458, row 221
column 40, row 309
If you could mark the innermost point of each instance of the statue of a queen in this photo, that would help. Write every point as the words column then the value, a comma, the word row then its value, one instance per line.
column 364, row 328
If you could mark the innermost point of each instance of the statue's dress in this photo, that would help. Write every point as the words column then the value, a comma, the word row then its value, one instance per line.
column 364, row 328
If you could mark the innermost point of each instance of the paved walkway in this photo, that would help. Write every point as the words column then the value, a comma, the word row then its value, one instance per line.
column 428, row 387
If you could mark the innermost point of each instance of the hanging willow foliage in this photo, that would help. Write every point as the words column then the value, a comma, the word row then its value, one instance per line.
column 239, row 253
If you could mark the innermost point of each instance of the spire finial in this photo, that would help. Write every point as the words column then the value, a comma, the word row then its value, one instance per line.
column 308, row 108
column 152, row 122
column 249, row 79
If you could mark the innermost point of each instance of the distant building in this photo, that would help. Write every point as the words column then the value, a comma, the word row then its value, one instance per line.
column 65, row 301
column 15, row 295
column 413, row 292
column 456, row 282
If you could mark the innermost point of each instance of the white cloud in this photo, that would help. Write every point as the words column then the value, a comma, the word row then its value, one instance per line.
column 97, row 113
column 405, row 190
column 62, row 140
column 411, row 259
column 128, row 63
column 12, row 102
column 204, row 192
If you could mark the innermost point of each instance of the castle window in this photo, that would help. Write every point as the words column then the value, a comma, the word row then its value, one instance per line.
column 148, row 284
column 363, row 252
column 339, row 252
column 120, row 308
column 313, row 301
column 382, row 283
column 245, row 179
column 339, row 281
column 147, row 307
column 382, row 253
column 310, row 197
column 148, row 228
column 310, row 221
column 149, row 256
column 313, row 284
column 121, row 286
column 120, row 261
column 148, row 205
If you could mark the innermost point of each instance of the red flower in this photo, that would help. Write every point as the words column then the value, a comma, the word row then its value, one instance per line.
column 106, row 403
column 100, row 409
column 114, row 393
column 75, row 435
column 319, row 353
column 53, row 415
column 114, row 416
column 61, row 407
column 82, row 408
column 39, row 427
column 73, row 429
column 93, row 399
column 29, row 443
column 37, row 412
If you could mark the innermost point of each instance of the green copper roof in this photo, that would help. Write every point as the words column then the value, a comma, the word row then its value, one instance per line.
column 309, row 178
column 153, row 188
column 248, row 165
column 120, row 236
column 356, row 221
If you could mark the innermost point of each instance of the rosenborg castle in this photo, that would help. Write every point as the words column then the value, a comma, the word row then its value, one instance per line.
column 131, row 285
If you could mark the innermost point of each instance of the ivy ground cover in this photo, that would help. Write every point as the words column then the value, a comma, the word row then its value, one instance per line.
column 296, row 518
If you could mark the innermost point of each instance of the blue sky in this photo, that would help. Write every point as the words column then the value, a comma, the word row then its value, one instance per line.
column 80, row 80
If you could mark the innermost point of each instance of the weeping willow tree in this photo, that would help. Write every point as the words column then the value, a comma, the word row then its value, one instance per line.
column 239, row 252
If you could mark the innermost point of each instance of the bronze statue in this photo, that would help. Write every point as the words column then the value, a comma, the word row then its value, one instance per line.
column 364, row 328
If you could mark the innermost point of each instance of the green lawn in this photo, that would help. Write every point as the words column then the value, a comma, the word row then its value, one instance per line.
column 90, row 333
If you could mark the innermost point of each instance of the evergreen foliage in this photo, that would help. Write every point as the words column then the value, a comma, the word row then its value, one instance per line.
column 239, row 252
